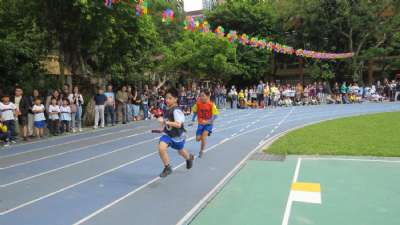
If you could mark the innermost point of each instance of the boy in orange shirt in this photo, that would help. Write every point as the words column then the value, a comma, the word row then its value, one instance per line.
column 206, row 113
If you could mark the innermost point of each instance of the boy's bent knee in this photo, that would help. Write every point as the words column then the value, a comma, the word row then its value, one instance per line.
column 162, row 147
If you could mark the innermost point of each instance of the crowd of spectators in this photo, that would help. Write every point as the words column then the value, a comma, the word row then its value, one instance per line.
column 61, row 111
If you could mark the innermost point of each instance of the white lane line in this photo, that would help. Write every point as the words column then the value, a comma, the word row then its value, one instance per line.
column 91, row 178
column 223, row 122
column 236, row 120
column 89, row 131
column 119, row 200
column 289, row 202
column 76, row 163
column 83, row 220
column 73, row 150
column 156, row 179
column 241, row 130
column 354, row 159
column 179, row 166
column 266, row 138
column 297, row 171
column 74, row 185
column 70, row 151
column 65, row 143
column 223, row 181
column 202, row 202
column 223, row 141
column 94, row 157
column 227, row 128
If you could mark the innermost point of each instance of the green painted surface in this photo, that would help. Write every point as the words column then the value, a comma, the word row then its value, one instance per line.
column 353, row 193
column 255, row 196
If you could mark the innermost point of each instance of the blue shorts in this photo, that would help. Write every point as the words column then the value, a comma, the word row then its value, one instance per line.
column 171, row 143
column 39, row 124
column 202, row 128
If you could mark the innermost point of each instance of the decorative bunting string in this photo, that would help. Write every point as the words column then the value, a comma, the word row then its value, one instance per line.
column 202, row 26
column 233, row 37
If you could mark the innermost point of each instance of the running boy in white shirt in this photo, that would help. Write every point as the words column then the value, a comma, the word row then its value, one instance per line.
column 174, row 133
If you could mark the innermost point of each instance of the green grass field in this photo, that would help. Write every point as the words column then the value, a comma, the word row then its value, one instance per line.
column 369, row 135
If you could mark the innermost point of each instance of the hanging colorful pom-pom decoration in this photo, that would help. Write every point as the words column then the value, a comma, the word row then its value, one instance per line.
column 109, row 3
column 253, row 42
column 190, row 24
column 168, row 16
column 232, row 36
column 205, row 27
column 220, row 31
column 141, row 8
column 244, row 39
column 261, row 44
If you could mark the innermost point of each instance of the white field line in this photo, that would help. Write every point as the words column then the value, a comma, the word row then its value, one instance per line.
column 289, row 202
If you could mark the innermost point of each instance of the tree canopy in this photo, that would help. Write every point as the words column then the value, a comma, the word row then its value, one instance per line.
column 113, row 44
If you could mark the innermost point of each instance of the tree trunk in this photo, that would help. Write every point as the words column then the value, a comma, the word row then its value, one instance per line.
column 370, row 72
column 274, row 67
column 88, row 118
column 301, row 70
column 61, row 78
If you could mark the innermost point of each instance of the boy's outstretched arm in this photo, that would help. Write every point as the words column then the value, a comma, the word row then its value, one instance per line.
column 215, row 113
column 194, row 110
column 194, row 116
column 174, row 124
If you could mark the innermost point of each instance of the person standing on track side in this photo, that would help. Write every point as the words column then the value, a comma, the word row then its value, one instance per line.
column 174, row 133
column 206, row 112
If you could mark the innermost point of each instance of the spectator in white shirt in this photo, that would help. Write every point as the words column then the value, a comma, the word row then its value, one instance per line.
column 40, row 120
column 65, row 116
column 7, row 112
column 76, row 102
column 54, row 117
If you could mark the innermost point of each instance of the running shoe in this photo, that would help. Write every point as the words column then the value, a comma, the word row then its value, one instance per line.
column 167, row 171
column 189, row 163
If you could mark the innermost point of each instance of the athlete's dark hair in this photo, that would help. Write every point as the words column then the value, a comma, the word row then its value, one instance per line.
column 5, row 96
column 173, row 92
column 206, row 92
